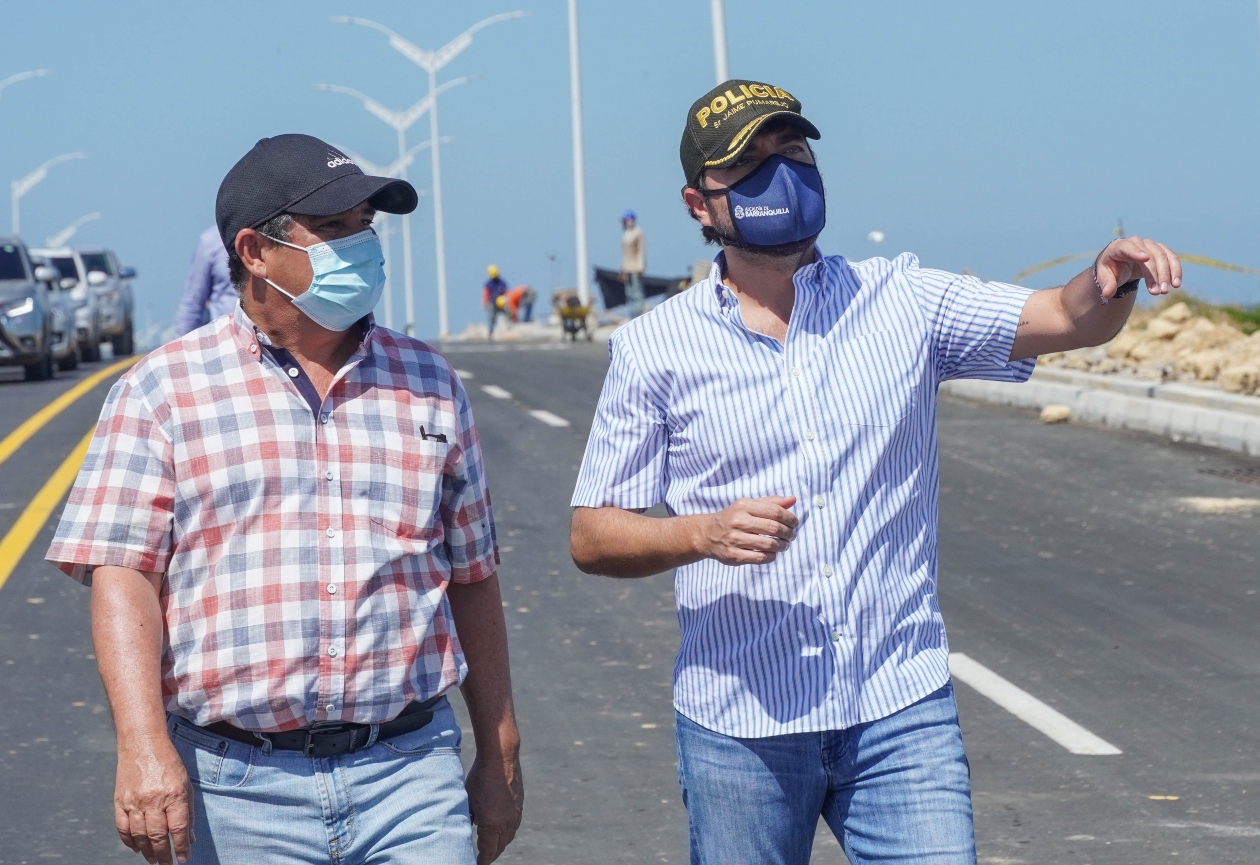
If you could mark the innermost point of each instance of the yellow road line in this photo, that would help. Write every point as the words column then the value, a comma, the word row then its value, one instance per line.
column 31, row 522
column 35, row 422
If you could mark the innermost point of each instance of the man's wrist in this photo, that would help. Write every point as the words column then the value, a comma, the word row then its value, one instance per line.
column 695, row 543
column 1121, row 290
column 503, row 743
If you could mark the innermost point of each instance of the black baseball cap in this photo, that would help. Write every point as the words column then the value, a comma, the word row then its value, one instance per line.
column 303, row 175
column 722, row 122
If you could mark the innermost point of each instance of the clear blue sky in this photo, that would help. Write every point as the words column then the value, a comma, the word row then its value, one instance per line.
column 981, row 134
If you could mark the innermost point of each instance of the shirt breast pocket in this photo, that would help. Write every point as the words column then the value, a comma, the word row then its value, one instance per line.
column 404, row 496
column 876, row 377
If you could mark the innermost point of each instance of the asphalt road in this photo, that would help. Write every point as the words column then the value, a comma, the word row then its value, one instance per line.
column 1068, row 566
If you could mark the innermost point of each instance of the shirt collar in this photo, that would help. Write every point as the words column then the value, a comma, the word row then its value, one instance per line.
column 809, row 277
column 248, row 335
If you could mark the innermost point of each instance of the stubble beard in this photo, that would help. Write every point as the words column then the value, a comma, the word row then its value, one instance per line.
column 785, row 257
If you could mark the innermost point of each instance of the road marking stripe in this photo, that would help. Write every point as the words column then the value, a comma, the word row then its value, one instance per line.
column 548, row 418
column 1028, row 708
column 495, row 391
column 31, row 522
column 35, row 422
column 463, row 373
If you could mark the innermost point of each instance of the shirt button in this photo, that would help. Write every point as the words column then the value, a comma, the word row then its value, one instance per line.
column 827, row 571
column 796, row 371
column 293, row 372
column 835, row 636
column 819, row 501
column 328, row 475
column 332, row 651
column 323, row 418
column 809, row 434
column 331, row 532
column 332, row 588
column 330, row 708
column 253, row 349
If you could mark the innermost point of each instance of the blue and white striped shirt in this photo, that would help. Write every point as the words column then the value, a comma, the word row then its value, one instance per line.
column 697, row 411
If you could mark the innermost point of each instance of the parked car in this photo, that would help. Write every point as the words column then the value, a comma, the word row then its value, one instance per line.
column 61, row 308
column 87, row 314
column 26, row 320
column 112, row 284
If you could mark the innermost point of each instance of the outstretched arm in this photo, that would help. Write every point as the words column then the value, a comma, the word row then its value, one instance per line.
column 1078, row 314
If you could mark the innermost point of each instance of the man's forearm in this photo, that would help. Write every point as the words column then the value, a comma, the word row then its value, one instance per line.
column 477, row 609
column 127, row 634
column 620, row 543
column 1069, row 317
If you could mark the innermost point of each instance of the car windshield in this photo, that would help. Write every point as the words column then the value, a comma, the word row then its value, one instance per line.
column 65, row 266
column 96, row 261
column 11, row 262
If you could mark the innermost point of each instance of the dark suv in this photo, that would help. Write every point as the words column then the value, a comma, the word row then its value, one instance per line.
column 27, row 338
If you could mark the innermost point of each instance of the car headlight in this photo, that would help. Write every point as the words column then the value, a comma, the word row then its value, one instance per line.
column 18, row 308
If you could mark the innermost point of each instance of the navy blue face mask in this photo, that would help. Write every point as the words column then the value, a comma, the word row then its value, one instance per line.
column 780, row 203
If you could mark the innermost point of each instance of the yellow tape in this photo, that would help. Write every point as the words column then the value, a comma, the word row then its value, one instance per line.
column 31, row 522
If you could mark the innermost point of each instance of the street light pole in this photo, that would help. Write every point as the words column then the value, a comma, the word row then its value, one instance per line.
column 432, row 62
column 63, row 236
column 18, row 188
column 23, row 76
column 439, row 224
column 579, row 170
column 400, row 121
column 718, row 11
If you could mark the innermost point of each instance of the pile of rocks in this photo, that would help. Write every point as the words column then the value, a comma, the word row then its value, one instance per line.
column 1175, row 345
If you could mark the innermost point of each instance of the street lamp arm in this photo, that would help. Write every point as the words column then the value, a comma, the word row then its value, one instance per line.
column 412, row 52
column 27, row 183
column 447, row 52
column 389, row 116
column 61, row 237
column 23, row 76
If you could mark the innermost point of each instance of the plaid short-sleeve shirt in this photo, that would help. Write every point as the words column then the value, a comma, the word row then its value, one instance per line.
column 307, row 546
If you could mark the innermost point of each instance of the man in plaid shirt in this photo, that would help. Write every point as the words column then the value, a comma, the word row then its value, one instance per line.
column 285, row 523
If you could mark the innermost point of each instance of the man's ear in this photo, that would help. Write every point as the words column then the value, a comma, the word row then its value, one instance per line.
column 249, row 245
column 698, row 206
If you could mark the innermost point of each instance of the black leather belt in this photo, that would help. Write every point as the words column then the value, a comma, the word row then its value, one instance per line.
column 330, row 739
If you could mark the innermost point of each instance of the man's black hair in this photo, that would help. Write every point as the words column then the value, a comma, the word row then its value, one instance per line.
column 277, row 227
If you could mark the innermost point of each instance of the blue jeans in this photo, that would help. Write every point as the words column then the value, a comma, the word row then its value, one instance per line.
column 391, row 802
column 894, row 790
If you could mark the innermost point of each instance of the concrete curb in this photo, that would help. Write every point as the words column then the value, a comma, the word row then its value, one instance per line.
column 1177, row 411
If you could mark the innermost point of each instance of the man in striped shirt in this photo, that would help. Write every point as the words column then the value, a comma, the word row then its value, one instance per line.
column 784, row 410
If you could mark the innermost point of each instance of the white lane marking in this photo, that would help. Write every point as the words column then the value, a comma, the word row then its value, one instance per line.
column 548, row 418
column 495, row 391
column 1233, row 505
column 463, row 373
column 1028, row 708
column 1219, row 829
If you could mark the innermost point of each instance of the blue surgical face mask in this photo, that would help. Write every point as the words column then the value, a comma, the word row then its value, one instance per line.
column 349, row 276
column 780, row 203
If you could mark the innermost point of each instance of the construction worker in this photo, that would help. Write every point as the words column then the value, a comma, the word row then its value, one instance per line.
column 492, row 298
column 633, row 262
column 520, row 303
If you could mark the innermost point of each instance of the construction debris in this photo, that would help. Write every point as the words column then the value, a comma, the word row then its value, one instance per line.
column 1177, row 343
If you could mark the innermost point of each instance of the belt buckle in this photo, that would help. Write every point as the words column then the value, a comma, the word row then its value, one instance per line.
column 318, row 728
